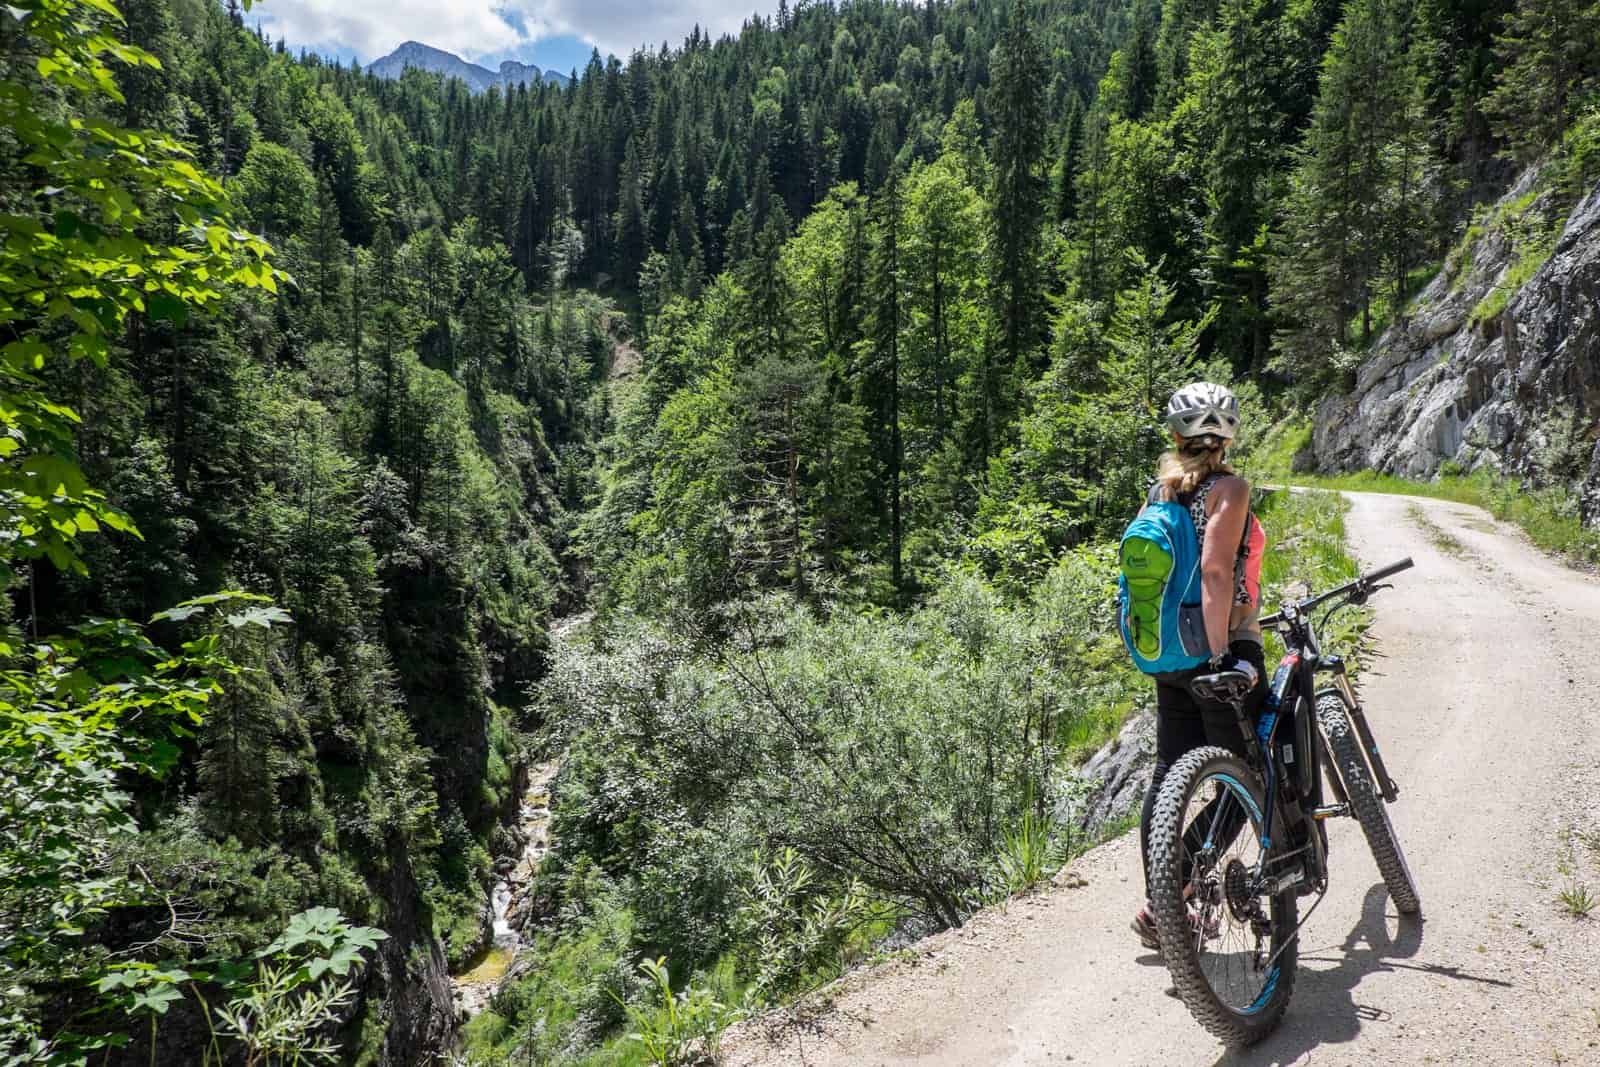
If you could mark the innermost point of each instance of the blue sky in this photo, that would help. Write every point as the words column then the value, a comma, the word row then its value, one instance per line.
column 555, row 34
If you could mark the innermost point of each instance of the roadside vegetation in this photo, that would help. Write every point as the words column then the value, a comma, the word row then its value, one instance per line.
column 1440, row 538
column 1544, row 507
column 1578, row 868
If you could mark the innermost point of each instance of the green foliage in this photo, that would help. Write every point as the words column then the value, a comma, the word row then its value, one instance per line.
column 1088, row 445
column 123, row 225
column 76, row 712
column 1357, row 208
column 78, row 259
column 1577, row 158
column 792, row 932
column 304, row 982
column 275, row 188
column 901, row 771
column 1016, row 209
column 1032, row 850
column 1532, row 237
column 1547, row 52
column 568, row 1000
column 677, row 1028
column 1578, row 899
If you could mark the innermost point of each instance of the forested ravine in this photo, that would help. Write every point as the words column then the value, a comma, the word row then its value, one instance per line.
column 816, row 367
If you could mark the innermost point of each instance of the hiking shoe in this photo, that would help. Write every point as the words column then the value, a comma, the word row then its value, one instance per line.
column 1145, row 927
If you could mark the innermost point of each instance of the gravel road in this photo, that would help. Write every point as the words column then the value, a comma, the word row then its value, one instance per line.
column 1486, row 699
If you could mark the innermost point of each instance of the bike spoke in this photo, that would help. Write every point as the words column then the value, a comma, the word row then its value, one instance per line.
column 1232, row 953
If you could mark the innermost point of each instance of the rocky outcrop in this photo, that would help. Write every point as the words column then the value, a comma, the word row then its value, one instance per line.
column 409, row 978
column 1118, row 775
column 1458, row 380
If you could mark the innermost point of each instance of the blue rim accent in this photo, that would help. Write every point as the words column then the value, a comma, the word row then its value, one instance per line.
column 1242, row 792
column 1266, row 992
column 1271, row 986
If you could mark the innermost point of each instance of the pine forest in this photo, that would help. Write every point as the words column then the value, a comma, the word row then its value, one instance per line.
column 726, row 450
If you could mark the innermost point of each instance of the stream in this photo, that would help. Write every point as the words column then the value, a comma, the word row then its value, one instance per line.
column 475, row 985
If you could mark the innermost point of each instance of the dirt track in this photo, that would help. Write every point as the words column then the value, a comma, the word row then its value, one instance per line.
column 1486, row 700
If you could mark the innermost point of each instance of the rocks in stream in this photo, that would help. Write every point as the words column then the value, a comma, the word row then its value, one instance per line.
column 1457, row 381
column 511, row 901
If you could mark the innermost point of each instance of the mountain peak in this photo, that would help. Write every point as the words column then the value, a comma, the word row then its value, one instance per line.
column 478, row 79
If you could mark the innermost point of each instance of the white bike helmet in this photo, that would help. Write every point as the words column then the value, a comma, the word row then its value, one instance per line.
column 1203, row 410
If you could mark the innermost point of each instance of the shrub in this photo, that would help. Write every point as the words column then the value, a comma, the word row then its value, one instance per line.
column 793, row 929
column 677, row 1027
column 895, row 750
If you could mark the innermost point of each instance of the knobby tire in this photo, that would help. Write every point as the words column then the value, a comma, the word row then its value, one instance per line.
column 1171, row 913
column 1366, row 805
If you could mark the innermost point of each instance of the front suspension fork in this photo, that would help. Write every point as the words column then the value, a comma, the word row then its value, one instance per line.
column 1358, row 717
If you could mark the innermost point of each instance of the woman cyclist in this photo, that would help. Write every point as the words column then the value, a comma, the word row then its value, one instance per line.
column 1204, row 418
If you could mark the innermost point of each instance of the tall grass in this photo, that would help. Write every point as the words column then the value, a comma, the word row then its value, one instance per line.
column 1308, row 553
column 1548, row 516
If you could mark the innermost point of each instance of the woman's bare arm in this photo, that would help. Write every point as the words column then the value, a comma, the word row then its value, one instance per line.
column 1229, row 505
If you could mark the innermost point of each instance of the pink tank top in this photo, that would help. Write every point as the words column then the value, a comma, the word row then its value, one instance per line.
column 1244, row 624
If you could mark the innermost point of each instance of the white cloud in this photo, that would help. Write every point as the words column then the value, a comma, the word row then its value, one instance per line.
column 374, row 28
column 474, row 28
column 620, row 26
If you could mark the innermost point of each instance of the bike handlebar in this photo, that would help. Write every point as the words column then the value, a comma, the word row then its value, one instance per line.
column 1387, row 572
column 1361, row 586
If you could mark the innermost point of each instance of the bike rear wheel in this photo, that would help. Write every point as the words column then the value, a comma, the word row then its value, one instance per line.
column 1229, row 943
column 1366, row 805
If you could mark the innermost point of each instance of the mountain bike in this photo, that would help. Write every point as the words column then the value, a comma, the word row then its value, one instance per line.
column 1235, row 842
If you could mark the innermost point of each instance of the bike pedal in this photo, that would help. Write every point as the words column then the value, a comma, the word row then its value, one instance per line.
column 1336, row 811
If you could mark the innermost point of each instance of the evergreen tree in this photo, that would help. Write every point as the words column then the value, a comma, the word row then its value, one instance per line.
column 881, row 369
column 1351, row 207
column 329, row 254
column 1064, row 177
column 1550, row 58
column 1016, row 213
column 631, row 240
column 943, row 256
column 1092, row 204
column 1234, row 127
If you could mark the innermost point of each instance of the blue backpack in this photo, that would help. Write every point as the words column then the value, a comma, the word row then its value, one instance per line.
column 1158, row 591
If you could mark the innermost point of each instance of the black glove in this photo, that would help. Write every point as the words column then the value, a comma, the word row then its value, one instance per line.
column 1227, row 661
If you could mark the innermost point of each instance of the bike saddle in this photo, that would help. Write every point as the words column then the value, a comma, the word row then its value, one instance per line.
column 1226, row 687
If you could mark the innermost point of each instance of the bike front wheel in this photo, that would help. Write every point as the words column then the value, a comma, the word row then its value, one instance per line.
column 1229, row 942
column 1366, row 805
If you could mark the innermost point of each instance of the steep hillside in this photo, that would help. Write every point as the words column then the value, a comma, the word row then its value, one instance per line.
column 1497, row 361
column 906, row 286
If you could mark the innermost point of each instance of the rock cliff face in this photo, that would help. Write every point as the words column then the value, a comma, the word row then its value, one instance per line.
column 1485, row 370
column 411, row 980
column 1118, row 775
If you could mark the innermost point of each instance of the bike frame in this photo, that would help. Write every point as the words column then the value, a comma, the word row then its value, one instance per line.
column 1293, row 847
column 1294, row 690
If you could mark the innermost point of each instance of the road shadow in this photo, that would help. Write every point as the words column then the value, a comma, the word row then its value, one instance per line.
column 1324, row 1010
